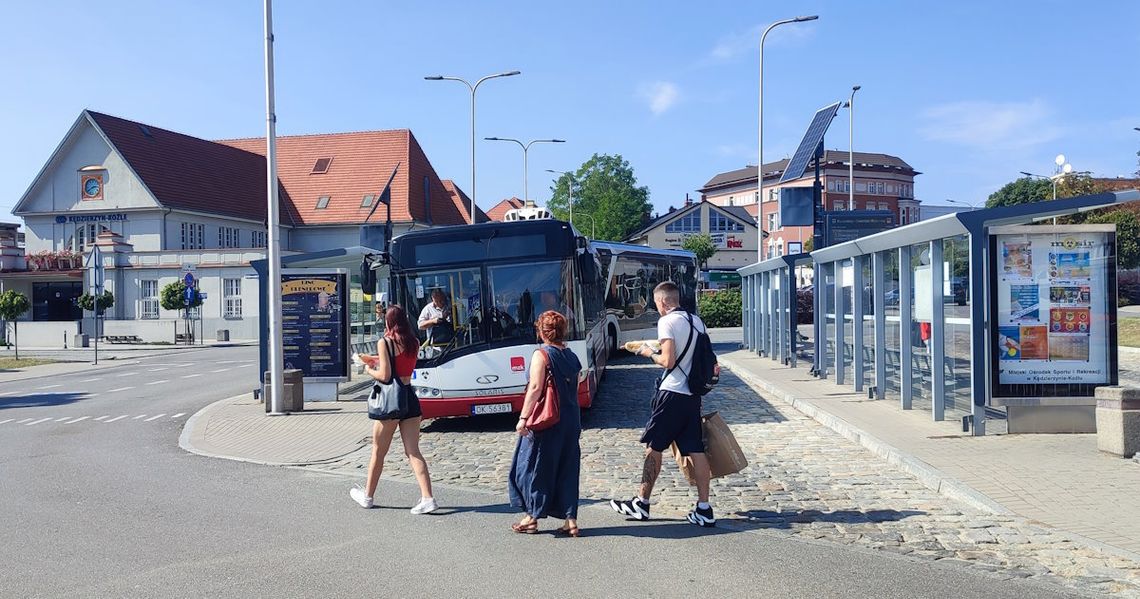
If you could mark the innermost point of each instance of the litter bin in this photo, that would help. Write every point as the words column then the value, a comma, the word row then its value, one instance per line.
column 223, row 334
column 294, row 392
column 82, row 340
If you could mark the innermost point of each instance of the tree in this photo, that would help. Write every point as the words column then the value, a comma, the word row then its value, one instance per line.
column 1127, row 235
column 809, row 245
column 1025, row 190
column 12, row 305
column 88, row 302
column 173, row 297
column 701, row 245
column 605, row 188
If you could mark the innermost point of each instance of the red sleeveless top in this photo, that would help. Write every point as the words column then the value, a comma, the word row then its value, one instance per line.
column 405, row 363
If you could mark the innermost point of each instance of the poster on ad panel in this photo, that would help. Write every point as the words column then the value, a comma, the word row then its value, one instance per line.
column 1052, row 306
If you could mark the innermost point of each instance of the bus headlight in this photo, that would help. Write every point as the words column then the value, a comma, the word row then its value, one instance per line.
column 427, row 392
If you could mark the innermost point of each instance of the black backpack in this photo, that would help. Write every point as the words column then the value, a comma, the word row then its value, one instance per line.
column 704, row 372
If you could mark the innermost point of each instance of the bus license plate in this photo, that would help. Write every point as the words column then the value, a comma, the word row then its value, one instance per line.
column 491, row 408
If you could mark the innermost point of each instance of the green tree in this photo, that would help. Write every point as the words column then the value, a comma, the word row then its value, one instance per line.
column 702, row 245
column 173, row 297
column 12, row 305
column 1127, row 235
column 88, row 302
column 606, row 188
column 720, row 308
column 1025, row 190
column 809, row 245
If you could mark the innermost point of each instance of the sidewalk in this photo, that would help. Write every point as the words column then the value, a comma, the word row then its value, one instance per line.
column 1060, row 480
column 56, row 368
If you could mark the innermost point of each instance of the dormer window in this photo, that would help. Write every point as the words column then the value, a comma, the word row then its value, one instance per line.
column 321, row 166
column 323, row 202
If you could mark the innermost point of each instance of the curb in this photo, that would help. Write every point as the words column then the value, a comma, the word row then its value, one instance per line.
column 187, row 445
column 931, row 477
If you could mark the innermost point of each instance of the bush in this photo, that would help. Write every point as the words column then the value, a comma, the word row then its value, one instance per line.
column 720, row 308
column 805, row 305
column 89, row 302
column 1128, row 288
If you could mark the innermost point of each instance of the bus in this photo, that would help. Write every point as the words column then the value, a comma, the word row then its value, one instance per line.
column 495, row 279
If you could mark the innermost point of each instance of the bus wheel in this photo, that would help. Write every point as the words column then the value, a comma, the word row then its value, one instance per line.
column 612, row 336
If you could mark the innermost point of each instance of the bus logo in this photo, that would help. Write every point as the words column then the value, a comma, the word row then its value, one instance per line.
column 517, row 364
column 487, row 379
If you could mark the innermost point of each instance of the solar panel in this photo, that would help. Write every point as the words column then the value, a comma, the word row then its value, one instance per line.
column 808, row 145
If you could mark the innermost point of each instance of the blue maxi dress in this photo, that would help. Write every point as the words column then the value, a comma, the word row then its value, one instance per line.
column 546, row 466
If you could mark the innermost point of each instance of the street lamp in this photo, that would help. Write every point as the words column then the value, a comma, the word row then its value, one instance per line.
column 525, row 148
column 570, row 187
column 1063, row 168
column 472, row 88
column 851, row 147
column 593, row 234
column 973, row 206
column 760, row 129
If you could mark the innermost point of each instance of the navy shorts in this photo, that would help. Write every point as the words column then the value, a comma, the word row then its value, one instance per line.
column 675, row 418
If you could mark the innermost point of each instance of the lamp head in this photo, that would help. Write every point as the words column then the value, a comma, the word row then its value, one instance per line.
column 1060, row 159
column 434, row 77
column 807, row 18
column 1068, row 168
column 856, row 88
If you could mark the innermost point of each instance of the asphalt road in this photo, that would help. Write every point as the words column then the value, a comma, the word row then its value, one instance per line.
column 94, row 508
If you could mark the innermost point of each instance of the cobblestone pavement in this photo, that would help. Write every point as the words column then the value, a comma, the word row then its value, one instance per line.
column 803, row 480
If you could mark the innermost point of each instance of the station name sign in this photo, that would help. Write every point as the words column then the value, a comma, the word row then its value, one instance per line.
column 90, row 218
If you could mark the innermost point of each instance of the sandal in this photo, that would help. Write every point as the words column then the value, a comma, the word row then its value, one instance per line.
column 572, row 531
column 528, row 528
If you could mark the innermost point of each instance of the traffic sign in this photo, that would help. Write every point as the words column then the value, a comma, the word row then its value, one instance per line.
column 188, row 279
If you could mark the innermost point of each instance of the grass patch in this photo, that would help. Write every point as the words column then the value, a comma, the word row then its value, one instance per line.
column 1128, row 332
column 10, row 363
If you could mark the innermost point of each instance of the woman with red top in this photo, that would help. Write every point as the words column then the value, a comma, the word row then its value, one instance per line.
column 400, row 341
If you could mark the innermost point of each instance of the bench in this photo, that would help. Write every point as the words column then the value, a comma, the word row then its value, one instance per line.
column 118, row 339
column 183, row 338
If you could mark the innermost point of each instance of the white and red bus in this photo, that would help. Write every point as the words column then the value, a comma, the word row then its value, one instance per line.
column 497, row 278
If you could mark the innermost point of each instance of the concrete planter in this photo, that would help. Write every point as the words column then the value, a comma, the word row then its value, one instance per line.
column 1118, row 420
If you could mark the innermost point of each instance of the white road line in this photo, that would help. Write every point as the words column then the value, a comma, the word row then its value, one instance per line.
column 157, row 369
column 245, row 365
column 11, row 419
column 190, row 376
column 115, row 418
column 126, row 374
column 139, row 416
column 49, row 386
column 6, row 393
column 102, row 417
column 154, row 417
column 34, row 422
column 180, row 414
column 119, row 389
column 159, row 382
column 77, row 420
column 62, row 419
column 92, row 380
column 220, row 370
column 25, row 420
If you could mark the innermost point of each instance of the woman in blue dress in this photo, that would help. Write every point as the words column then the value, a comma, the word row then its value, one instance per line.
column 544, row 473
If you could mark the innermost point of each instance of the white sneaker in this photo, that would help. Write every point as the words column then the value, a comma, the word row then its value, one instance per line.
column 426, row 505
column 357, row 495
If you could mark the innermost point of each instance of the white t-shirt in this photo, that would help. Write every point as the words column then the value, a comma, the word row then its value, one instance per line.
column 675, row 326
column 430, row 312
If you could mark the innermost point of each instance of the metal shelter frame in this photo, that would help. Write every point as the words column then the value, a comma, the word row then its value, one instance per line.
column 769, row 305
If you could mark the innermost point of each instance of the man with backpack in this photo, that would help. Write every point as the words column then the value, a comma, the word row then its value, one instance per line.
column 676, row 407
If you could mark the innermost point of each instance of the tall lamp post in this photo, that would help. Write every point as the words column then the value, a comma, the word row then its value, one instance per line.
column 760, row 130
column 1063, row 168
column 593, row 232
column 973, row 206
column 851, row 147
column 570, row 188
column 473, row 88
column 526, row 148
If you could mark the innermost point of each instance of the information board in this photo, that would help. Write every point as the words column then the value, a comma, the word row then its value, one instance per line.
column 314, row 317
column 1054, row 306
column 848, row 225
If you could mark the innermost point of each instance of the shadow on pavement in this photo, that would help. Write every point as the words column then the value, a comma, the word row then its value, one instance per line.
column 40, row 400
column 654, row 529
column 770, row 519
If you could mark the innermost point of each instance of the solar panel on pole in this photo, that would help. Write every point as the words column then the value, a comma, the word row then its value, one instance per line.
column 812, row 138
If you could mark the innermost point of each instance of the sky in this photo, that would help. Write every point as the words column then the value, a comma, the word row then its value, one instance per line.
column 969, row 93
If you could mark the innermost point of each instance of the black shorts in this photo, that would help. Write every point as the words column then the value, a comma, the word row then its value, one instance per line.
column 675, row 418
column 414, row 409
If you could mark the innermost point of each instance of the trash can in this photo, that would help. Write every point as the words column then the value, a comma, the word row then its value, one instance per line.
column 223, row 334
column 82, row 340
column 294, row 392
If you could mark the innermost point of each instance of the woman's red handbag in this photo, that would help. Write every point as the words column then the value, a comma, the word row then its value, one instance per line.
column 546, row 410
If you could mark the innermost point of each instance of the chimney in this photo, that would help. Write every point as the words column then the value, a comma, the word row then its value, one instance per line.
column 688, row 202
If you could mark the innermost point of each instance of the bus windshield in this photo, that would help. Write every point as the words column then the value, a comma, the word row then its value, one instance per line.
column 445, row 305
column 521, row 292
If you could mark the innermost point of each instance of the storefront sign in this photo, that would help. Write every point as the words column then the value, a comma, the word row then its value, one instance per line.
column 722, row 241
column 844, row 225
column 1054, row 309
column 90, row 218
column 315, row 323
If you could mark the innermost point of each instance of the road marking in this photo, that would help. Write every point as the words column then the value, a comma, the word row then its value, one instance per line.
column 159, row 382
column 190, row 376
column 245, row 365
column 154, row 417
column 102, row 417
column 49, row 386
column 119, row 389
column 25, row 420
column 116, row 418
column 220, row 370
column 180, row 414
column 62, row 419
column 6, row 393
column 11, row 419
column 77, row 420
column 92, row 380
column 126, row 374
column 139, row 416
column 157, row 369
column 34, row 422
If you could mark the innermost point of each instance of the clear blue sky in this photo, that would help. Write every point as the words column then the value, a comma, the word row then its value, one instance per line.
column 969, row 93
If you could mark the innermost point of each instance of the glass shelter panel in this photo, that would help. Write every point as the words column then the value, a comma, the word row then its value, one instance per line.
column 868, row 316
column 891, row 310
column 956, row 314
column 847, row 279
column 922, row 314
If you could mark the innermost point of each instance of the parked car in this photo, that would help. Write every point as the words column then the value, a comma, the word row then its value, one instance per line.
column 891, row 298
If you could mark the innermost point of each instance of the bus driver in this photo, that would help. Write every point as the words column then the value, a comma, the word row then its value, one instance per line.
column 435, row 318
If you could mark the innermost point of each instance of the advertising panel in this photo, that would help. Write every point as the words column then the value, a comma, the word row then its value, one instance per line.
column 1054, row 309
column 314, row 317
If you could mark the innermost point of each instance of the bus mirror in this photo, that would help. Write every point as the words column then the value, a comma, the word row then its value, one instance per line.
column 367, row 277
column 587, row 267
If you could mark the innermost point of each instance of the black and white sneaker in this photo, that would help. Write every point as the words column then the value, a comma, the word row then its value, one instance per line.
column 702, row 517
column 635, row 508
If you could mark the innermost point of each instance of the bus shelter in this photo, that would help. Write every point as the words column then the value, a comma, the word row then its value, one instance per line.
column 928, row 314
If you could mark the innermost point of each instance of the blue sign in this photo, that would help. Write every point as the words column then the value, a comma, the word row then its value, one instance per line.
column 188, row 279
column 848, row 225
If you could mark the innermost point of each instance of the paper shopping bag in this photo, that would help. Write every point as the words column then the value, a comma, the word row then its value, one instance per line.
column 723, row 452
